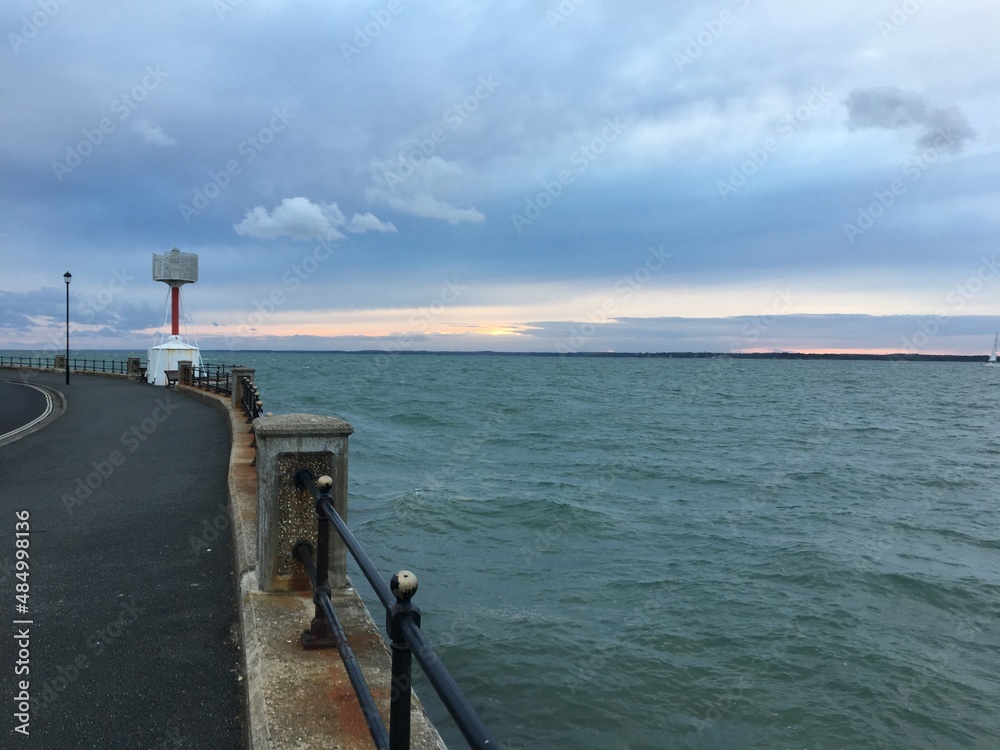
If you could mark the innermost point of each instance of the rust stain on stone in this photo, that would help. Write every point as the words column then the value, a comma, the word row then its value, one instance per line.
column 343, row 703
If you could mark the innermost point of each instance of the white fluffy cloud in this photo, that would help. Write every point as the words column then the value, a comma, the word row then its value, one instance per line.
column 368, row 222
column 298, row 218
column 152, row 133
column 301, row 219
column 409, row 186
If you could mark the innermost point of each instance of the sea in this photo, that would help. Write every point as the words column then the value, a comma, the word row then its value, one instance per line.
column 645, row 553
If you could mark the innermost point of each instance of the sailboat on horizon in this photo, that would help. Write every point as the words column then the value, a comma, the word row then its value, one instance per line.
column 992, row 360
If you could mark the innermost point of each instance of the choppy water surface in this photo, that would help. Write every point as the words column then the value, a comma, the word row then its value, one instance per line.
column 669, row 553
column 665, row 553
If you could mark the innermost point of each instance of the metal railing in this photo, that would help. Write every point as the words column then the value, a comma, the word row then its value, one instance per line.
column 41, row 363
column 114, row 366
column 253, row 407
column 212, row 377
column 402, row 626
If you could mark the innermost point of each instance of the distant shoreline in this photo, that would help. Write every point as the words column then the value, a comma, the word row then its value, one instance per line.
column 899, row 357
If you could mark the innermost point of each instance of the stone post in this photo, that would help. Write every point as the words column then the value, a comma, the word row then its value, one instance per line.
column 286, row 513
column 238, row 373
column 60, row 363
column 185, row 372
column 133, row 367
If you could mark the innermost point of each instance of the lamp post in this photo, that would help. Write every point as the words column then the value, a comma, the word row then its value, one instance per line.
column 67, row 276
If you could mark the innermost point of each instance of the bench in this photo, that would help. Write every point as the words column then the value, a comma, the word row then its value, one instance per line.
column 171, row 377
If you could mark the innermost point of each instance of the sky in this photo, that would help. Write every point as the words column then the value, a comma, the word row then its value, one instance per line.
column 583, row 175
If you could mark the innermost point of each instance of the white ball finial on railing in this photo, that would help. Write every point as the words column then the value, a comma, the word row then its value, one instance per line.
column 403, row 585
column 324, row 483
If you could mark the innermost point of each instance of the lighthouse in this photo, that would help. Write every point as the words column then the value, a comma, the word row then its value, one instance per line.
column 174, row 269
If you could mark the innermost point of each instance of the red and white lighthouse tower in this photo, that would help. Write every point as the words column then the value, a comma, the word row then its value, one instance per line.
column 174, row 269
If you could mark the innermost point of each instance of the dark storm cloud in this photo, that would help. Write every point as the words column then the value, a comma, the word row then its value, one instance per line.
column 893, row 108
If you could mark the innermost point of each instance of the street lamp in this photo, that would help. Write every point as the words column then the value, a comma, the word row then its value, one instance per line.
column 67, row 276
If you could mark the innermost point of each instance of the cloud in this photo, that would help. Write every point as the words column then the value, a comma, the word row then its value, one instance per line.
column 18, row 308
column 772, row 333
column 368, row 222
column 885, row 107
column 427, row 207
column 893, row 108
column 408, row 184
column 152, row 133
column 298, row 218
column 951, row 122
column 301, row 219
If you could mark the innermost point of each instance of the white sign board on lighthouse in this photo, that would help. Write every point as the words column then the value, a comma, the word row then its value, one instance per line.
column 175, row 267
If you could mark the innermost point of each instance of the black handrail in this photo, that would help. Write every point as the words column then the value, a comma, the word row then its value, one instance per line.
column 108, row 366
column 402, row 625
column 253, row 407
column 42, row 363
column 331, row 633
column 112, row 366
column 214, row 377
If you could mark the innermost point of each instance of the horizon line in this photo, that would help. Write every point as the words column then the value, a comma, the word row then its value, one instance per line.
column 913, row 356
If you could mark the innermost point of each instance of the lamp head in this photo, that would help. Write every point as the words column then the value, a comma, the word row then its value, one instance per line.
column 67, row 276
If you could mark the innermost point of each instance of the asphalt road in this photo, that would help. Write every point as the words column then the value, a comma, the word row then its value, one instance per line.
column 127, row 632
column 20, row 405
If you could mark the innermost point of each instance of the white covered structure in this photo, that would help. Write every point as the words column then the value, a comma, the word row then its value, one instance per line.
column 175, row 269
column 166, row 356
